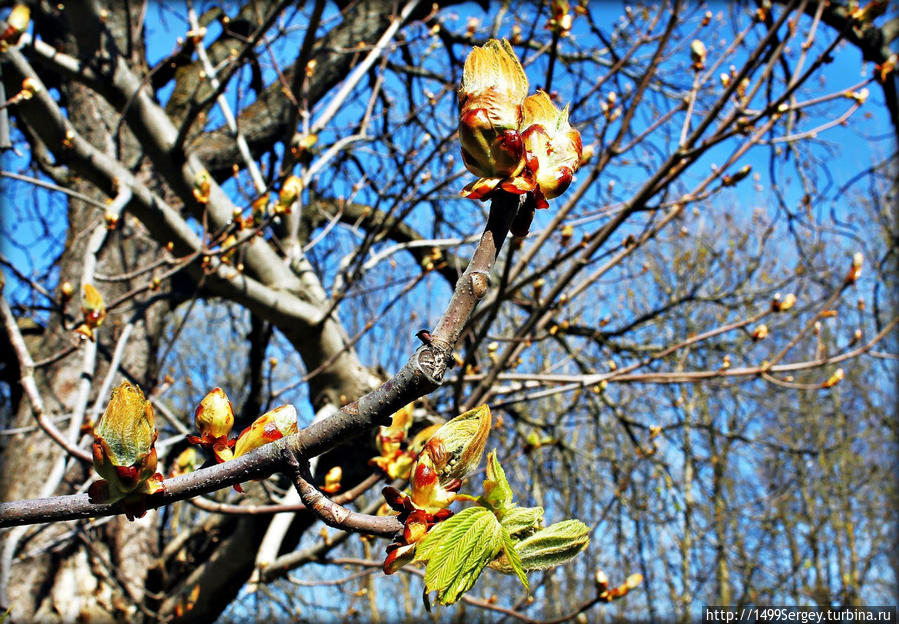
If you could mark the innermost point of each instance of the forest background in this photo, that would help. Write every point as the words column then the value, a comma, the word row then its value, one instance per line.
column 648, row 368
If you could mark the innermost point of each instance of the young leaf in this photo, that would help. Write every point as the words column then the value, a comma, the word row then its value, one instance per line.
column 514, row 559
column 471, row 540
column 522, row 521
column 547, row 548
column 432, row 541
column 497, row 493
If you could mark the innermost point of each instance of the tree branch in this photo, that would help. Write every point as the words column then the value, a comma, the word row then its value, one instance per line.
column 422, row 374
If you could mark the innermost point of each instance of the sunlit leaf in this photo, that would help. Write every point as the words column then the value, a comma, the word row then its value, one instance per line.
column 522, row 521
column 547, row 548
column 513, row 558
column 471, row 540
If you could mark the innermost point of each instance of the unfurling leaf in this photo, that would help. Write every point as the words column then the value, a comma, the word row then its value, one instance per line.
column 451, row 454
column 497, row 492
column 495, row 532
column 548, row 547
column 123, row 451
column 458, row 552
column 511, row 556
column 522, row 521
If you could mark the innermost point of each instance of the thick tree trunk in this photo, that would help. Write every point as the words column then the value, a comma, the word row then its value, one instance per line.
column 104, row 567
column 117, row 563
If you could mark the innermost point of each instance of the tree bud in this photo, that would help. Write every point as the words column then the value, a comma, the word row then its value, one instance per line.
column 452, row 453
column 493, row 89
column 214, row 415
column 92, row 306
column 271, row 426
column 17, row 20
column 123, row 450
column 553, row 142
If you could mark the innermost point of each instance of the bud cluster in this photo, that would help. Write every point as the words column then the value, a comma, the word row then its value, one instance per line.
column 214, row 418
column 494, row 533
column 451, row 453
column 510, row 140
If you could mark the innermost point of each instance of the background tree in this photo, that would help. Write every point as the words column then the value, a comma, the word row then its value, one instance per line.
column 736, row 156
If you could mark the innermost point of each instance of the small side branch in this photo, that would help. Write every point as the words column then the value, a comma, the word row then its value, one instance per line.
column 331, row 513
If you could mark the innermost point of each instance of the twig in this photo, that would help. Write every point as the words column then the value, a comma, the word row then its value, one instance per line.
column 360, row 70
column 332, row 513
column 242, row 146
column 54, row 187
column 256, row 510
column 26, row 366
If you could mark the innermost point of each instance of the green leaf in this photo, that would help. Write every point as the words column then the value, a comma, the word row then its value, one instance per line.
column 514, row 559
column 548, row 547
column 522, row 521
column 468, row 542
column 497, row 493
column 434, row 537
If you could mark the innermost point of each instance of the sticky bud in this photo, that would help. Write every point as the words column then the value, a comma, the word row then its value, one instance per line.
column 782, row 304
column 332, row 480
column 634, row 580
column 493, row 90
column 17, row 22
column 271, row 426
column 202, row 186
column 187, row 461
column 92, row 306
column 291, row 189
column 214, row 416
column 123, row 451
column 698, row 54
column 760, row 332
column 855, row 270
column 448, row 456
column 556, row 146
column 742, row 173
column 834, row 379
